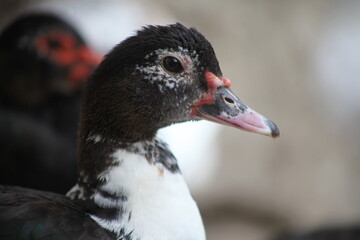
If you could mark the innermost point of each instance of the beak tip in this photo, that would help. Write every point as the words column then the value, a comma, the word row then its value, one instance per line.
column 275, row 132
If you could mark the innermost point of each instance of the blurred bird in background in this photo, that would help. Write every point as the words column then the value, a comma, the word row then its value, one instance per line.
column 43, row 63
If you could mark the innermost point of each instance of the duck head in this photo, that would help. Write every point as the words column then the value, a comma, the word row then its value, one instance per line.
column 160, row 76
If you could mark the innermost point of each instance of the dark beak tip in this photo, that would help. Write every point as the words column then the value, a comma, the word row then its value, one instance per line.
column 275, row 132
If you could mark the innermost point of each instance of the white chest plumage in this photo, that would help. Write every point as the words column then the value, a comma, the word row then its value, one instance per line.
column 158, row 203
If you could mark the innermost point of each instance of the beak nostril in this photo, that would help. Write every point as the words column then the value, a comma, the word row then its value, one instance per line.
column 229, row 100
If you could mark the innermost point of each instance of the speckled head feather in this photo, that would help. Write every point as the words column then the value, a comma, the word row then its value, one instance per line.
column 131, row 95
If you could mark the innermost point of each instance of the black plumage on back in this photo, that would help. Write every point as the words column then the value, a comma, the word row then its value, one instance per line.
column 35, row 214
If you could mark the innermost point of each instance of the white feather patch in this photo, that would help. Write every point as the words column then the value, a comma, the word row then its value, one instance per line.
column 159, row 201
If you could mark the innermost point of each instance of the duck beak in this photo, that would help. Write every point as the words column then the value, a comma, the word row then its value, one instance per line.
column 222, row 106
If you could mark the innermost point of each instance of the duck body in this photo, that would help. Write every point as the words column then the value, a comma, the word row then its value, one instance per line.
column 125, row 198
column 143, row 183
column 129, row 184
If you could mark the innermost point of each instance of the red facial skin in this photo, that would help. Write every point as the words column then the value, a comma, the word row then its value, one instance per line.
column 213, row 82
column 63, row 49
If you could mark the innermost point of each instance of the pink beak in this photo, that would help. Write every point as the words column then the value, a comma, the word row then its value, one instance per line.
column 221, row 105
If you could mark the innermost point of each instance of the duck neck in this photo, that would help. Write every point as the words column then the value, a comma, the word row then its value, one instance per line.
column 99, row 156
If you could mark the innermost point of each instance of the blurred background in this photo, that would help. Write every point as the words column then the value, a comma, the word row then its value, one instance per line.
column 295, row 62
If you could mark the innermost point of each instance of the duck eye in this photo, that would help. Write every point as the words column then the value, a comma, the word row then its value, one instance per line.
column 53, row 44
column 172, row 64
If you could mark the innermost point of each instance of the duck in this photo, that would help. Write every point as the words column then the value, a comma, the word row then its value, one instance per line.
column 129, row 183
column 44, row 63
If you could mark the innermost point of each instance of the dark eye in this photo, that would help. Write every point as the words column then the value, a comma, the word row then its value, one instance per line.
column 172, row 64
column 53, row 44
